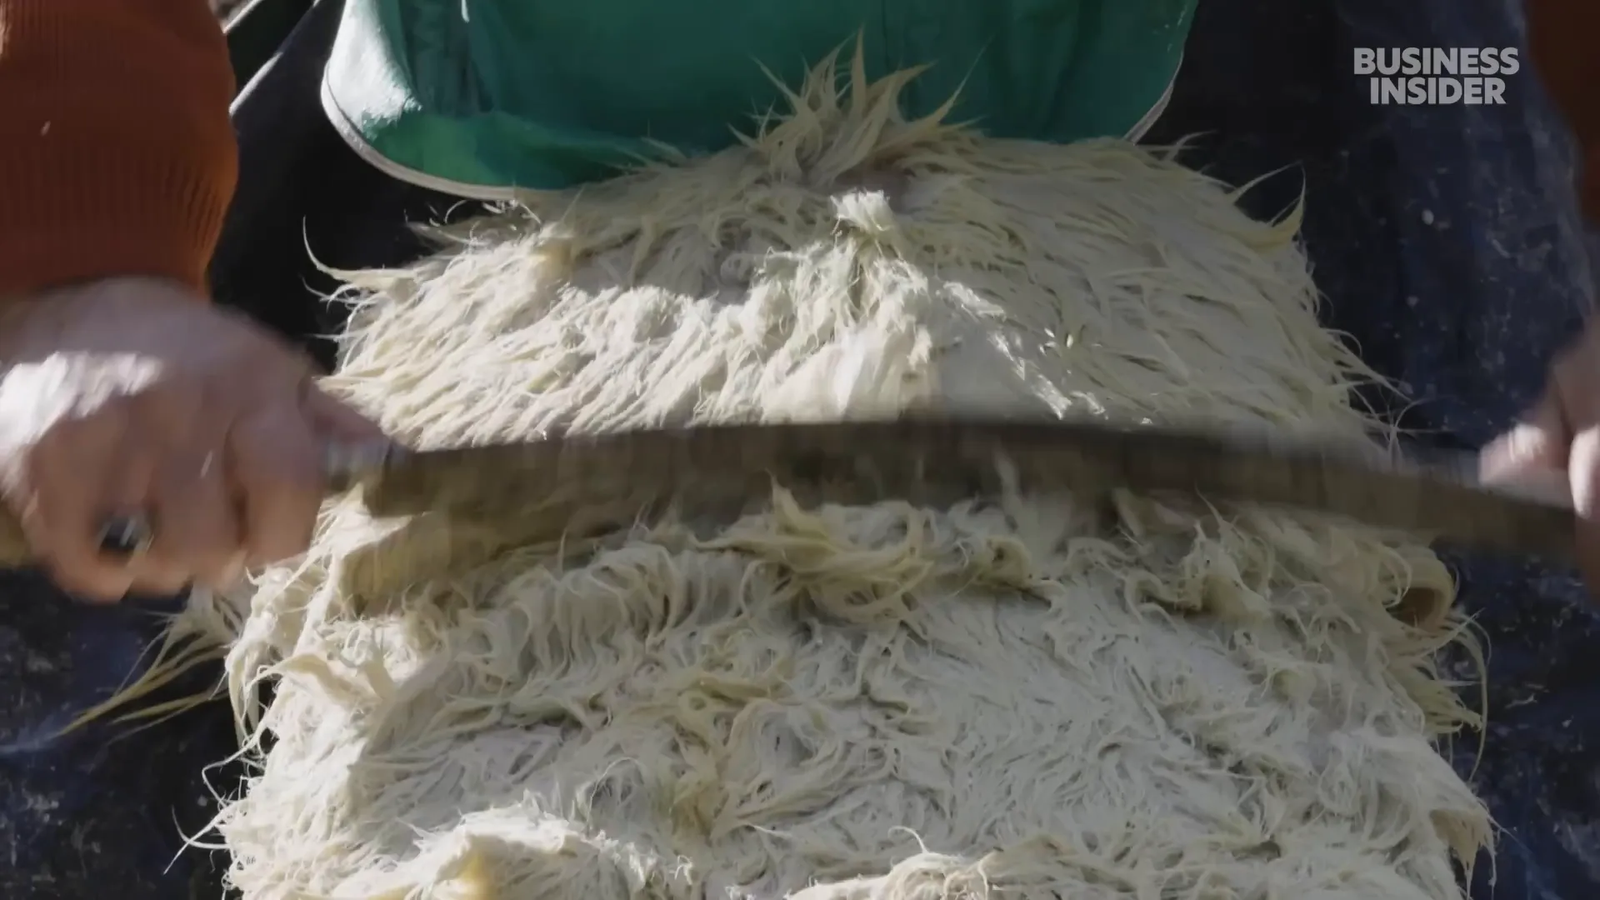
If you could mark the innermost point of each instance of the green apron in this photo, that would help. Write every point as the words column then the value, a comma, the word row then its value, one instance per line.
column 479, row 98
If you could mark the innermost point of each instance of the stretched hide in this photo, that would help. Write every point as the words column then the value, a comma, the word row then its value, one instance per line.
column 1023, row 695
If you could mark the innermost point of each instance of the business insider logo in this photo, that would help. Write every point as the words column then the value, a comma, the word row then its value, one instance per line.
column 1436, row 76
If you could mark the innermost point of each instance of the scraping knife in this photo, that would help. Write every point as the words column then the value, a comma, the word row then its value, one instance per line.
column 933, row 461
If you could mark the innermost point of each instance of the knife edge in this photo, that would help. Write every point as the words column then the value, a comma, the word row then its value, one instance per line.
column 938, row 462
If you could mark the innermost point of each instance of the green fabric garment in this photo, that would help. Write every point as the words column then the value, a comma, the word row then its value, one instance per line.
column 477, row 97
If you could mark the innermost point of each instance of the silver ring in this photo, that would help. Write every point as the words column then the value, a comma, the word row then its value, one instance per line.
column 128, row 537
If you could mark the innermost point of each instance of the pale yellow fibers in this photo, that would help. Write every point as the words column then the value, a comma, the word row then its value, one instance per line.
column 1018, row 695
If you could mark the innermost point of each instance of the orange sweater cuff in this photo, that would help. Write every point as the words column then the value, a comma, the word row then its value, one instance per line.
column 117, row 156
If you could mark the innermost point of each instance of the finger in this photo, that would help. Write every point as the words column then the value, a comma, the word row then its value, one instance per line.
column 198, row 534
column 275, row 465
column 1584, row 471
column 81, row 582
column 1535, row 447
column 1576, row 383
column 77, row 491
column 332, row 419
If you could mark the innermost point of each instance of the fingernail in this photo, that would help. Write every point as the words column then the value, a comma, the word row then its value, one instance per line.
column 1527, row 438
column 1523, row 445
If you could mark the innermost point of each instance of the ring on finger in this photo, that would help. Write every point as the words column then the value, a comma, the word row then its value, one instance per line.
column 128, row 538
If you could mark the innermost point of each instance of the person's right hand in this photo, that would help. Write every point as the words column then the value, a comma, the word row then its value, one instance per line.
column 133, row 396
column 1555, row 449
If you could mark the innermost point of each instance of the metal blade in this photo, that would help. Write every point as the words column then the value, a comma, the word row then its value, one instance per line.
column 935, row 462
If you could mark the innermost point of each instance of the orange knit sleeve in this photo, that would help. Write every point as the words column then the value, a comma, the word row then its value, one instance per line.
column 116, row 153
column 1564, row 41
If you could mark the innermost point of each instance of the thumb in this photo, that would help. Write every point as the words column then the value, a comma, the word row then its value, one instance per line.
column 1532, row 455
column 337, row 421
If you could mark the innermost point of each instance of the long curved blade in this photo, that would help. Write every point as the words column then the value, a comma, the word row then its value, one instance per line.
column 927, row 461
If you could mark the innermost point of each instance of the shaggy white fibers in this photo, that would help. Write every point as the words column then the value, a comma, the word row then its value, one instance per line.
column 1017, row 696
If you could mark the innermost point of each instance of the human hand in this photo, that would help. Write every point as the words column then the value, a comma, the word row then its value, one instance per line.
column 1555, row 449
column 132, row 396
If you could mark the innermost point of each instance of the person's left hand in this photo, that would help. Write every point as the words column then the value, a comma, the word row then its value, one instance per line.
column 1556, row 446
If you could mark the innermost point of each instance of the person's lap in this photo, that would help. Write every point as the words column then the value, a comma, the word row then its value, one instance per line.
column 84, row 814
column 1442, row 236
column 1449, row 247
